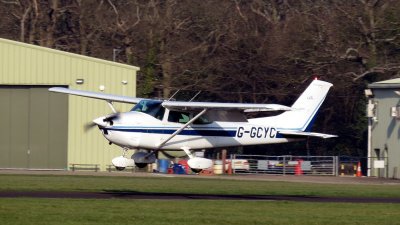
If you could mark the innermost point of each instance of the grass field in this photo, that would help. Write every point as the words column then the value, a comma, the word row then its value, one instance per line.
column 190, row 185
column 54, row 211
column 116, row 211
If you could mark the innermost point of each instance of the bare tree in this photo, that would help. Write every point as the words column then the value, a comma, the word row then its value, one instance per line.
column 236, row 50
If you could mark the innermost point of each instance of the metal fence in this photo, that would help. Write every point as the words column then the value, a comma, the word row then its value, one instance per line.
column 372, row 166
column 286, row 164
column 379, row 167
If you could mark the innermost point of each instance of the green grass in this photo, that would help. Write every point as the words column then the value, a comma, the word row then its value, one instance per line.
column 190, row 185
column 120, row 211
column 73, row 211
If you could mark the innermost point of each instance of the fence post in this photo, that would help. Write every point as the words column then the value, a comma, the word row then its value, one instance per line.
column 233, row 168
column 223, row 158
column 284, row 165
column 335, row 165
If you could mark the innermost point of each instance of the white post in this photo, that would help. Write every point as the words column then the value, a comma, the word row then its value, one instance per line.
column 369, row 140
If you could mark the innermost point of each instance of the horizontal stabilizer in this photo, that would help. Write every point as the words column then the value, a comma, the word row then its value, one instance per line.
column 309, row 134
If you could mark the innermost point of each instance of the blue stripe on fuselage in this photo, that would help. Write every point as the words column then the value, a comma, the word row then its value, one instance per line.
column 194, row 132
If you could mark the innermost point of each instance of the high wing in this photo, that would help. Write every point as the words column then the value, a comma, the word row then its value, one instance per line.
column 176, row 105
column 197, row 106
column 96, row 95
column 306, row 134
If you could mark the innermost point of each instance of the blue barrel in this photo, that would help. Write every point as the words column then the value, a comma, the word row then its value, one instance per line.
column 163, row 165
column 179, row 169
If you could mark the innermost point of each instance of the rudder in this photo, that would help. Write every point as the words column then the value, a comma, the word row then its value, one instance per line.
column 304, row 110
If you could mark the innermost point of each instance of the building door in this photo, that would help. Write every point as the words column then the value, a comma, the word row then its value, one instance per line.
column 34, row 126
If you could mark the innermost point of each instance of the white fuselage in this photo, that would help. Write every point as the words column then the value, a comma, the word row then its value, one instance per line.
column 136, row 130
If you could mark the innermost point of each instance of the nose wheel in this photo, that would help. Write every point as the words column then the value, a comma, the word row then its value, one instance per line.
column 121, row 162
column 119, row 168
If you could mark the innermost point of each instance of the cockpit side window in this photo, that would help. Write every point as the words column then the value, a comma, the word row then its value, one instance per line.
column 202, row 120
column 178, row 117
column 150, row 107
column 184, row 117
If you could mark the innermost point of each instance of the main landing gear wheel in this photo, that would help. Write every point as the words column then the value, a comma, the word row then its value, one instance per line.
column 197, row 164
column 196, row 170
column 119, row 168
column 141, row 165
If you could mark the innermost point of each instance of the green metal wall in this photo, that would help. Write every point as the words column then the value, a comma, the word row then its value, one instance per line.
column 34, row 128
column 24, row 64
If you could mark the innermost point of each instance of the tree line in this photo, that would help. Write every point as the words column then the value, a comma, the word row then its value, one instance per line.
column 259, row 51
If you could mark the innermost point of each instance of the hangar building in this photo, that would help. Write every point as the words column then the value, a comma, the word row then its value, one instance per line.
column 384, row 128
column 43, row 130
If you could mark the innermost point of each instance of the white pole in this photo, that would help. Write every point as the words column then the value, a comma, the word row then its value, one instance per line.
column 369, row 139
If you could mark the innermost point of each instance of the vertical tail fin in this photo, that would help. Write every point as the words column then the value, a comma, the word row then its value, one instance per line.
column 304, row 110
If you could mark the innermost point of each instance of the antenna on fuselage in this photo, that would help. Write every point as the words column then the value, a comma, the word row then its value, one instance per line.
column 176, row 92
column 195, row 96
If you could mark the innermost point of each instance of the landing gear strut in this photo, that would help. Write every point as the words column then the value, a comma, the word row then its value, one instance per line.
column 124, row 151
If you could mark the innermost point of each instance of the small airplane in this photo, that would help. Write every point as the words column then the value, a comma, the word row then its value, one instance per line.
column 158, row 125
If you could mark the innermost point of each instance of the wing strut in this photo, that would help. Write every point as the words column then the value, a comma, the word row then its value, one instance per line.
column 181, row 129
column 111, row 106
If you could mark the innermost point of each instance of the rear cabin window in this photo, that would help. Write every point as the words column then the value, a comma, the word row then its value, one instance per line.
column 184, row 117
column 178, row 117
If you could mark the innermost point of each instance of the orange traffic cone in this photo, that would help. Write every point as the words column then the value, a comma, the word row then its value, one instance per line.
column 230, row 168
column 359, row 174
column 297, row 170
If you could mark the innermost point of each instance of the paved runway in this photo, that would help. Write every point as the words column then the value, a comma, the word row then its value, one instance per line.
column 180, row 196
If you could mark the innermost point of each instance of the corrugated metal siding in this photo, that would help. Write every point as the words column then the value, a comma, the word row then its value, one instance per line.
column 386, row 131
column 23, row 64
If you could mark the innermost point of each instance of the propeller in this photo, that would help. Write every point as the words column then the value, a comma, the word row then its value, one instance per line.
column 88, row 126
column 102, row 121
column 111, row 117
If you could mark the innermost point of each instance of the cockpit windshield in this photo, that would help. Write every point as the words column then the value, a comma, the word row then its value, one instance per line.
column 150, row 107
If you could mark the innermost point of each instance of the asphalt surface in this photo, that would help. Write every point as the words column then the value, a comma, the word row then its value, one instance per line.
column 181, row 196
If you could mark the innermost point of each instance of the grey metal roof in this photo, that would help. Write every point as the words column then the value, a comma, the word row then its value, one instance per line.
column 393, row 83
